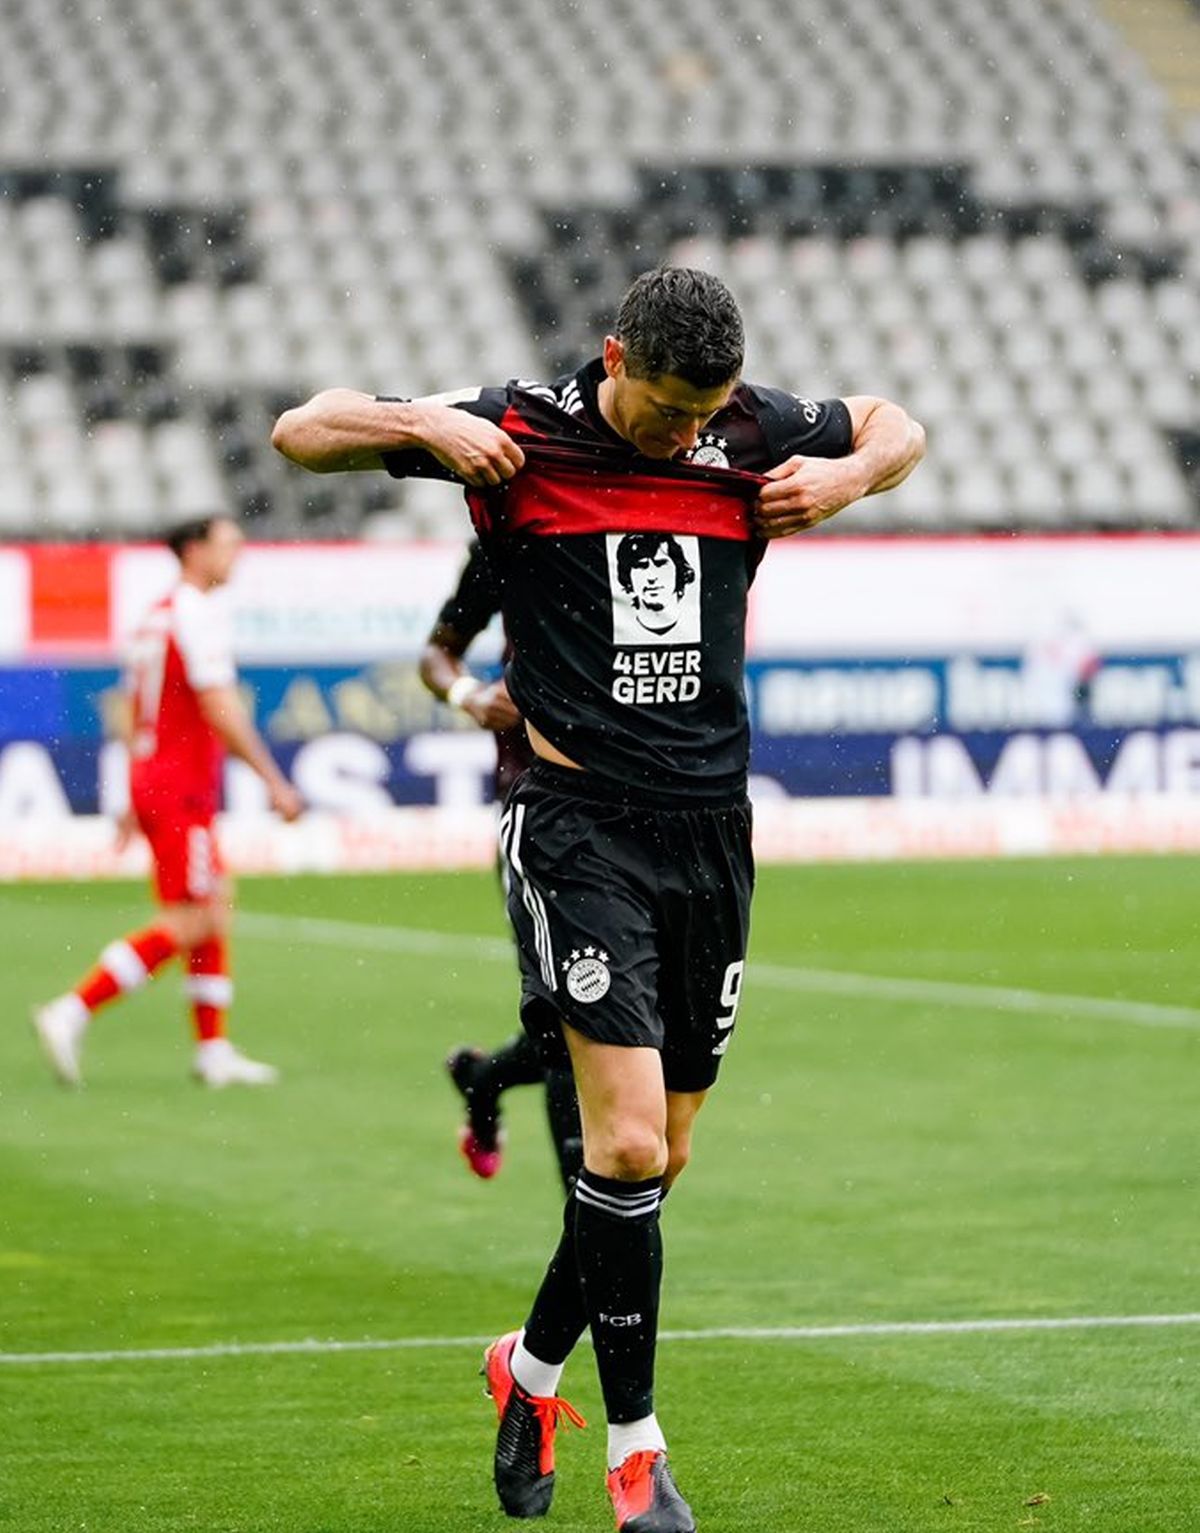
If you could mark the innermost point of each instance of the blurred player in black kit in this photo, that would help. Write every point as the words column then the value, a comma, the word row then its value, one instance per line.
column 628, row 839
column 482, row 1078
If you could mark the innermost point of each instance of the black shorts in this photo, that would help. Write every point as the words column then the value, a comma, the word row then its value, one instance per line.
column 631, row 921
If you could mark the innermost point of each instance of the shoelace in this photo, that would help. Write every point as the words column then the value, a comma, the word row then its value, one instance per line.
column 634, row 1467
column 551, row 1410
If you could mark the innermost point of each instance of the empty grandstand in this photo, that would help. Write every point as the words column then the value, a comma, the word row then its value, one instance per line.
column 989, row 212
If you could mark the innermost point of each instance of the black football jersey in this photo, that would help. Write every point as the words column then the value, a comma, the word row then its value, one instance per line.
column 624, row 579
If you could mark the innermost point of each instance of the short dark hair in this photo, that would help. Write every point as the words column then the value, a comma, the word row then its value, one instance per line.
column 641, row 547
column 194, row 530
column 681, row 322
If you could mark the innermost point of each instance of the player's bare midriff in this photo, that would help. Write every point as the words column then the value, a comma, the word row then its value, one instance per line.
column 548, row 752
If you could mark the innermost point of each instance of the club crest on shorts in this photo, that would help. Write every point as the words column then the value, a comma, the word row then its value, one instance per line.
column 588, row 976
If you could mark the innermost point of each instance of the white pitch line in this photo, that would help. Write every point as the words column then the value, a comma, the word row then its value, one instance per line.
column 931, row 1327
column 300, row 930
column 992, row 997
column 241, row 1349
column 883, row 1328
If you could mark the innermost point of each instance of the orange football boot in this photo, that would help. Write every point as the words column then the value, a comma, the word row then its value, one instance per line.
column 524, row 1461
column 645, row 1498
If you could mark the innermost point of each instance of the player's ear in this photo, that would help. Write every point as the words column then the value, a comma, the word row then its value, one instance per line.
column 614, row 356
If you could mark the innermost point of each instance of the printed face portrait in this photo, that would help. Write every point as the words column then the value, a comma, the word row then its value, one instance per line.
column 655, row 583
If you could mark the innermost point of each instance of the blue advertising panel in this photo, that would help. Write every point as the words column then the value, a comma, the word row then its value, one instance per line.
column 945, row 727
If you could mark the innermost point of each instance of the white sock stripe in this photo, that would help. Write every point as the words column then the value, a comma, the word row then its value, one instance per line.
column 625, row 1195
column 209, row 989
column 623, row 1205
column 628, row 1189
column 123, row 963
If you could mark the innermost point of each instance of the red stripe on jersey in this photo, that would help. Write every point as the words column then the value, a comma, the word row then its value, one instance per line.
column 581, row 485
column 548, row 503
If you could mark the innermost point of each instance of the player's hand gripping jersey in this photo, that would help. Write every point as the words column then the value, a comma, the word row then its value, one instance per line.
column 624, row 579
column 183, row 646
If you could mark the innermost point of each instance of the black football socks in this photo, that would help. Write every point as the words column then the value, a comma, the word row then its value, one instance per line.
column 558, row 1318
column 606, row 1272
column 619, row 1248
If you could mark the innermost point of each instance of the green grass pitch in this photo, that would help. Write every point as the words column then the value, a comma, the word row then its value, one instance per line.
column 873, row 1154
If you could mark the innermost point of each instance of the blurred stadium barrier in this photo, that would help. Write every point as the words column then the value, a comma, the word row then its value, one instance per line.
column 941, row 696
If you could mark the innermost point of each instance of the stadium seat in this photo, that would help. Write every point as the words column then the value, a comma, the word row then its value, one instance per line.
column 988, row 211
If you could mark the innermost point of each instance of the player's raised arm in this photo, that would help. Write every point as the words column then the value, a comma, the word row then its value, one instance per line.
column 886, row 445
column 342, row 429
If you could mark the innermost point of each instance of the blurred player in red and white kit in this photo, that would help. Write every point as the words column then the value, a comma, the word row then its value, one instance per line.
column 183, row 714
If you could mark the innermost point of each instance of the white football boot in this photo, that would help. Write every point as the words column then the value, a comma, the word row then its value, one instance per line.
column 60, row 1025
column 219, row 1064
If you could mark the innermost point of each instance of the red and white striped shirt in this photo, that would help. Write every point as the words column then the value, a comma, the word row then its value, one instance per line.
column 183, row 646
